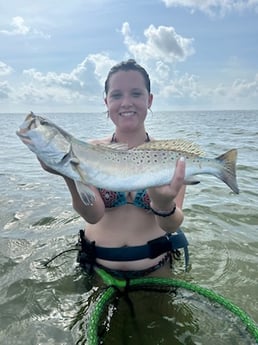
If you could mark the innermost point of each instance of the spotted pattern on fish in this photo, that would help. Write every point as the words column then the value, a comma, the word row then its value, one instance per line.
column 178, row 145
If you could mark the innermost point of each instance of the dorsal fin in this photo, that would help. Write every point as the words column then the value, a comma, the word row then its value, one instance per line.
column 179, row 145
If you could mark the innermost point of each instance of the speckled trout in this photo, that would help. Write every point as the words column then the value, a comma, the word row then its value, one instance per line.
column 117, row 168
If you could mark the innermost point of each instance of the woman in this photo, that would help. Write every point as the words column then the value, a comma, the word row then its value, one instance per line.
column 121, row 222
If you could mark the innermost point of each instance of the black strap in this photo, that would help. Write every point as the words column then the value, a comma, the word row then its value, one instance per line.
column 153, row 248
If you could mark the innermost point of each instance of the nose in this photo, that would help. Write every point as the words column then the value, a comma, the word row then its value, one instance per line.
column 127, row 101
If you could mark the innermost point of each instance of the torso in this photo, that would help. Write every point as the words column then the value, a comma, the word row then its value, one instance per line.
column 125, row 225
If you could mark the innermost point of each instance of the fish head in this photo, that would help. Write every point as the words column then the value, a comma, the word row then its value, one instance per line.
column 31, row 122
column 35, row 124
column 28, row 124
column 44, row 138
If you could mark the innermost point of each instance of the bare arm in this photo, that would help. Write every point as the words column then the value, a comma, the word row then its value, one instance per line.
column 165, row 198
column 93, row 213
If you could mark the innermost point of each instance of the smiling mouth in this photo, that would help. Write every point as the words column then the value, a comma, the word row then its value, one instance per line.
column 127, row 113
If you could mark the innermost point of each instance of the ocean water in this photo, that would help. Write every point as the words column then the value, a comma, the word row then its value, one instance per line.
column 50, row 306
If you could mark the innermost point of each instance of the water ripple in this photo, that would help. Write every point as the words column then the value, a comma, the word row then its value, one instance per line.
column 49, row 306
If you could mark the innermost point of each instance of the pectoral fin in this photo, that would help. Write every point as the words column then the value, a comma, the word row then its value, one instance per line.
column 86, row 194
column 75, row 163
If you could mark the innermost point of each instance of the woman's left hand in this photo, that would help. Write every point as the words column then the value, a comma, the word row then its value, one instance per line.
column 162, row 197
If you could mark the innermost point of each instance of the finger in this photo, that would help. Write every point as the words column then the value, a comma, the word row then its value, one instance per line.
column 180, row 169
column 179, row 176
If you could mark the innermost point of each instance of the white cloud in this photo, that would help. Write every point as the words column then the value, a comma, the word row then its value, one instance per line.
column 19, row 28
column 5, row 69
column 5, row 90
column 240, row 94
column 213, row 7
column 239, row 91
column 184, row 86
column 244, row 88
column 162, row 48
column 64, row 80
column 162, row 43
column 86, row 78
column 52, row 95
column 83, row 86
column 174, row 89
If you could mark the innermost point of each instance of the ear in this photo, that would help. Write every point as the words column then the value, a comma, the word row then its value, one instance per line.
column 105, row 100
column 150, row 100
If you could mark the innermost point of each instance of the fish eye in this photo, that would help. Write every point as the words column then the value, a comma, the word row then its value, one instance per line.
column 32, row 124
column 43, row 122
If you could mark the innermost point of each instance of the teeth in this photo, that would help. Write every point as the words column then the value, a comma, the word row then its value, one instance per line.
column 129, row 113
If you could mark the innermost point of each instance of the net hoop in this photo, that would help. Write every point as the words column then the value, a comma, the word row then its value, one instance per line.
column 113, row 284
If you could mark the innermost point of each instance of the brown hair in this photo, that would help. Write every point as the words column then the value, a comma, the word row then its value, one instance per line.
column 129, row 65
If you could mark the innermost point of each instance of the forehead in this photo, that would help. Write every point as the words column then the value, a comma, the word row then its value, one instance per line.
column 126, row 79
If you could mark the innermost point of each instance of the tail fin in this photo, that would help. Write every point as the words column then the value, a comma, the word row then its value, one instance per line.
column 228, row 173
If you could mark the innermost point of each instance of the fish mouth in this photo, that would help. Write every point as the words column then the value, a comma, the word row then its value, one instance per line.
column 22, row 135
column 29, row 124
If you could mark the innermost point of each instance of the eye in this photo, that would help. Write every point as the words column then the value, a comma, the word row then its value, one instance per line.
column 116, row 95
column 136, row 94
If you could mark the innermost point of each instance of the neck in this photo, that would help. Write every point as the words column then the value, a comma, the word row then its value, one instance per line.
column 131, row 139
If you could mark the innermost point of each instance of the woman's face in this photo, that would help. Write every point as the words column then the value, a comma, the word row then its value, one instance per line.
column 128, row 100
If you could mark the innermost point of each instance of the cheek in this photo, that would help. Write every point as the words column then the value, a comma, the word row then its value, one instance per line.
column 113, row 112
column 111, row 105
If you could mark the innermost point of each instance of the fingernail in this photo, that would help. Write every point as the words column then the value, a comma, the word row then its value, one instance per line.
column 182, row 159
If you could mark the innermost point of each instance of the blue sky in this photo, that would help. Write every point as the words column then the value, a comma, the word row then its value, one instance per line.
column 200, row 54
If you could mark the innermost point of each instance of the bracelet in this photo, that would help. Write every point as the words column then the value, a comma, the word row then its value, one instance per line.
column 164, row 213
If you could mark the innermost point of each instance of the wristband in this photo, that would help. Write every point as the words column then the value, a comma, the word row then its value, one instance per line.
column 164, row 213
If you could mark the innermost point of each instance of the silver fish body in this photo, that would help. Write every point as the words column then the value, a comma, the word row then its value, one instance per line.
column 116, row 167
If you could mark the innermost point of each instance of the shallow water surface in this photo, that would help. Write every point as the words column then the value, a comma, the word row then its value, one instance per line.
column 50, row 306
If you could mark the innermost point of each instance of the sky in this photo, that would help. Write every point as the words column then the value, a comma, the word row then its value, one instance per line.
column 200, row 54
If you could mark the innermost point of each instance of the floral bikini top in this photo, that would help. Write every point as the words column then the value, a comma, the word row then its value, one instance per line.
column 115, row 199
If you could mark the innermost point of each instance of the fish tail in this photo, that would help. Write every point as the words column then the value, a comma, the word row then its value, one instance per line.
column 228, row 172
